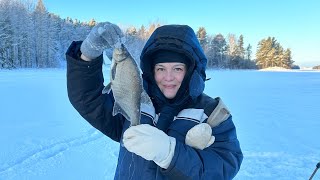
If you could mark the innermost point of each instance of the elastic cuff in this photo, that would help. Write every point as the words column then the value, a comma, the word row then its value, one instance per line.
column 73, row 55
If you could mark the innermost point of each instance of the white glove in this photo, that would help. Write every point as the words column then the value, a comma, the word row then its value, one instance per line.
column 200, row 136
column 150, row 143
column 102, row 36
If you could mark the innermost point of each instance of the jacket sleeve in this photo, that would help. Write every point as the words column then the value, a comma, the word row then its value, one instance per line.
column 84, row 85
column 221, row 160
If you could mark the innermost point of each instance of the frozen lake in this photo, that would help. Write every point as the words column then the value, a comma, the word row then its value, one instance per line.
column 43, row 137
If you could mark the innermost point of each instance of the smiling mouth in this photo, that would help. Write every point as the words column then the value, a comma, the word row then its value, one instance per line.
column 169, row 86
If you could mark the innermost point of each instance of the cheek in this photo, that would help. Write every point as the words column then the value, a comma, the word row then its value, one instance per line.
column 157, row 78
column 180, row 77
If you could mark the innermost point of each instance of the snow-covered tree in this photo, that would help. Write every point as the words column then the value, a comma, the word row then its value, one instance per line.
column 40, row 19
column 240, row 48
column 248, row 52
column 6, row 35
column 217, row 53
column 142, row 33
column 271, row 54
column 202, row 37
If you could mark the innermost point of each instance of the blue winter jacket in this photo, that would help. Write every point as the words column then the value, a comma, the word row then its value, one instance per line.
column 221, row 160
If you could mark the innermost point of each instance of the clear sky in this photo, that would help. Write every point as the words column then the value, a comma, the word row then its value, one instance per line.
column 294, row 23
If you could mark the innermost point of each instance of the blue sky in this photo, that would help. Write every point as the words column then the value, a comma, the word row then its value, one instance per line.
column 294, row 23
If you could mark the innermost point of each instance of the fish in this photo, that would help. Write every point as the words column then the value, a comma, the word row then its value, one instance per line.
column 126, row 84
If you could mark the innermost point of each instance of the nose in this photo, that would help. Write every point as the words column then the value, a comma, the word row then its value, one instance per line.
column 169, row 76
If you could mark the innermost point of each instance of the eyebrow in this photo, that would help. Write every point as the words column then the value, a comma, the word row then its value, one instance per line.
column 181, row 64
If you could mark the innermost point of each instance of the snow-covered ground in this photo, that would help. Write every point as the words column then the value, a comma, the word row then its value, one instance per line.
column 289, row 70
column 43, row 137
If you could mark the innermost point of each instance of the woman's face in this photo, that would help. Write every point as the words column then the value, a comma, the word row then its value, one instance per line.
column 169, row 77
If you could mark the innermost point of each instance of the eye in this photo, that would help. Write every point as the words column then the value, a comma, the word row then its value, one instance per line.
column 159, row 69
column 178, row 69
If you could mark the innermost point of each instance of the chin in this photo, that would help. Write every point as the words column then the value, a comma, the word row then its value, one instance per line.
column 170, row 95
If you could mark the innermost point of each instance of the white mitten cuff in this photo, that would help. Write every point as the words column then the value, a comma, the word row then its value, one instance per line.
column 166, row 162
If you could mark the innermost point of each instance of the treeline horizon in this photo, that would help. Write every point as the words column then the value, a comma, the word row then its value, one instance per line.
column 32, row 37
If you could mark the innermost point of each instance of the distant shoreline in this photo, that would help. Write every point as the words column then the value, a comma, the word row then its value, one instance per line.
column 280, row 69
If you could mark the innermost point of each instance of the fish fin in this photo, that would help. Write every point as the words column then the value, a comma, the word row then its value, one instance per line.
column 146, row 105
column 107, row 89
column 113, row 72
column 117, row 109
column 145, row 99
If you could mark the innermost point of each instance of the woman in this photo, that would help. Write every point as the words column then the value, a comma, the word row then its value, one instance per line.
column 192, row 135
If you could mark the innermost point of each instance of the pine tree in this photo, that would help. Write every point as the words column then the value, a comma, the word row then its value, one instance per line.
column 151, row 29
column 6, row 35
column 218, row 45
column 202, row 37
column 271, row 54
column 233, row 52
column 287, row 59
column 21, row 23
column 142, row 32
column 92, row 23
column 40, row 22
column 53, row 41
column 132, row 31
column 248, row 52
column 240, row 48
